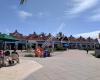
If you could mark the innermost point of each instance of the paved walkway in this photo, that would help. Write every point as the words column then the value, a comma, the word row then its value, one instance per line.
column 67, row 65
column 19, row 71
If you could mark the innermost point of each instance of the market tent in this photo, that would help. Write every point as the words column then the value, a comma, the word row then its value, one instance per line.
column 6, row 37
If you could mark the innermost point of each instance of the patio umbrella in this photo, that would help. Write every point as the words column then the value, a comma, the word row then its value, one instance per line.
column 6, row 37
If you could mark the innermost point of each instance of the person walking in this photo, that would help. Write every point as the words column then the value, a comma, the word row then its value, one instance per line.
column 87, row 50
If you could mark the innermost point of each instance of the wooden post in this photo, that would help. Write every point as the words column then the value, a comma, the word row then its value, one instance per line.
column 36, row 45
column 5, row 45
column 53, row 46
column 27, row 46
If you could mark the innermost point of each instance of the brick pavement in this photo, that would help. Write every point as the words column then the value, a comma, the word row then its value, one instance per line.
column 68, row 65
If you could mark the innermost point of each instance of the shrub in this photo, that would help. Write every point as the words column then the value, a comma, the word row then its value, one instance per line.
column 60, row 47
column 29, row 55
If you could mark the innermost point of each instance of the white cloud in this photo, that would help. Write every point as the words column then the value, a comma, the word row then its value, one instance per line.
column 7, row 30
column 94, row 34
column 59, row 28
column 79, row 6
column 13, row 7
column 95, row 17
column 24, row 14
column 62, row 25
column 40, row 14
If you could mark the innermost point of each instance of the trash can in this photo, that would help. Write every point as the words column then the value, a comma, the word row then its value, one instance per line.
column 46, row 53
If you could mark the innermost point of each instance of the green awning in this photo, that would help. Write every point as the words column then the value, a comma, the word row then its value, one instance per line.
column 6, row 37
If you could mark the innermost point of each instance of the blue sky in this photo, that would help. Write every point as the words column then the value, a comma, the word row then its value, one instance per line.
column 67, row 16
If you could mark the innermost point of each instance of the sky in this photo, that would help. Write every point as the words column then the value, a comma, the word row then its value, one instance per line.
column 72, row 17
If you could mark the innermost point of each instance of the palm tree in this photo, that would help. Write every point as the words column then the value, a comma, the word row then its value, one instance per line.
column 60, row 36
column 22, row 1
column 42, row 35
column 71, row 38
column 89, row 39
column 66, row 39
column 49, row 35
column 99, row 35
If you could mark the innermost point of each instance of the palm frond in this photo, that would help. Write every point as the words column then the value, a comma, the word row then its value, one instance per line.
column 22, row 1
